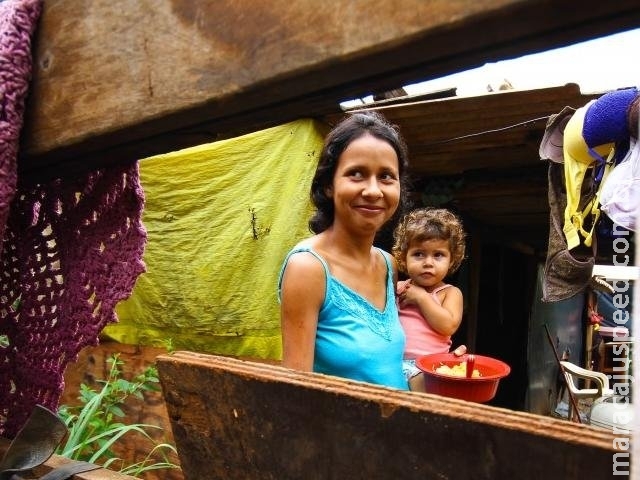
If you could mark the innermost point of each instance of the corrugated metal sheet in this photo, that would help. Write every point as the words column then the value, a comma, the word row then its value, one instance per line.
column 490, row 143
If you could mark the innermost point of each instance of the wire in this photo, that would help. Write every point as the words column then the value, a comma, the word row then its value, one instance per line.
column 484, row 132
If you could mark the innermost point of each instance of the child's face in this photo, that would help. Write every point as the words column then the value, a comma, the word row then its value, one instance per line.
column 428, row 262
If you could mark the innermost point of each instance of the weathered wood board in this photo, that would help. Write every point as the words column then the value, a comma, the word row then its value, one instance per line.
column 120, row 81
column 234, row 419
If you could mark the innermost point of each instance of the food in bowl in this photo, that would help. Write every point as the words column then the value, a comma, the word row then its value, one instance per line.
column 457, row 370
column 474, row 389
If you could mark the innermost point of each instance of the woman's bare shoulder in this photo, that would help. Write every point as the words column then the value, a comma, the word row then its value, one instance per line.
column 304, row 279
column 303, row 262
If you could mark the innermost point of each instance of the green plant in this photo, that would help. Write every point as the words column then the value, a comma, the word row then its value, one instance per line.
column 94, row 428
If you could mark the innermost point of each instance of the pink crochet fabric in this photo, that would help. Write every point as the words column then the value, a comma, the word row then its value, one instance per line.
column 18, row 20
column 72, row 250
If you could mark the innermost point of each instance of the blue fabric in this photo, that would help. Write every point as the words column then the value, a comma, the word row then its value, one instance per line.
column 606, row 119
column 354, row 339
column 410, row 369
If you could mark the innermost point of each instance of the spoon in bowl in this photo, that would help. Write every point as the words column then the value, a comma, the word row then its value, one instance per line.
column 471, row 361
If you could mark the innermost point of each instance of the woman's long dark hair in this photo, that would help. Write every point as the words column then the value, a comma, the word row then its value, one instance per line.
column 339, row 138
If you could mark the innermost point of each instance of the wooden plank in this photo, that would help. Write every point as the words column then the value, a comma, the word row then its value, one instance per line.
column 119, row 81
column 236, row 419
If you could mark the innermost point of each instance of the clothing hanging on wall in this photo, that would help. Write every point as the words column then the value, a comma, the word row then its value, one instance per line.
column 589, row 143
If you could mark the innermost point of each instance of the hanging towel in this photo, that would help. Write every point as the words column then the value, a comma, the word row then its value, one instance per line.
column 620, row 196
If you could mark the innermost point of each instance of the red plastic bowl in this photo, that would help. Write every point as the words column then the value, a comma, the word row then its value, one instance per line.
column 475, row 389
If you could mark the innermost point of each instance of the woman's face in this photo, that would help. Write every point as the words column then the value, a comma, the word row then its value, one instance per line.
column 366, row 185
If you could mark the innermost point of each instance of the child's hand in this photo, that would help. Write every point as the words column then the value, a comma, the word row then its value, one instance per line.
column 401, row 287
column 409, row 294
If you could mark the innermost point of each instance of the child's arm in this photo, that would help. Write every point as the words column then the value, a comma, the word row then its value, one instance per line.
column 444, row 319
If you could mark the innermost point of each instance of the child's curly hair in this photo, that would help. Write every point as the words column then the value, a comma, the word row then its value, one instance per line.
column 428, row 224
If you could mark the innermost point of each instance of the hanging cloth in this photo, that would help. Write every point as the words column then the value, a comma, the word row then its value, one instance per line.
column 620, row 197
column 221, row 217
column 578, row 159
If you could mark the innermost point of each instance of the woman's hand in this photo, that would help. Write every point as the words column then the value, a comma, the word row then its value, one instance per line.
column 459, row 351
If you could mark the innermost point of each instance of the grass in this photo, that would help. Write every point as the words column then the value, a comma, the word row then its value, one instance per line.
column 96, row 425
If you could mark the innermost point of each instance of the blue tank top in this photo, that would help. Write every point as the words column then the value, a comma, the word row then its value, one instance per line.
column 354, row 339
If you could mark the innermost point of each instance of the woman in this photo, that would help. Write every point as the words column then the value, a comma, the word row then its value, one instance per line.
column 338, row 309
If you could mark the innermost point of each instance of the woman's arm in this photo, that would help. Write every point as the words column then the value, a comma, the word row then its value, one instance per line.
column 302, row 293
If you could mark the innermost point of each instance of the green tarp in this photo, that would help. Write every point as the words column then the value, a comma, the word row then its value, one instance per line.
column 220, row 218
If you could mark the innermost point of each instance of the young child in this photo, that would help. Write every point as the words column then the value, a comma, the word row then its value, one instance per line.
column 429, row 245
